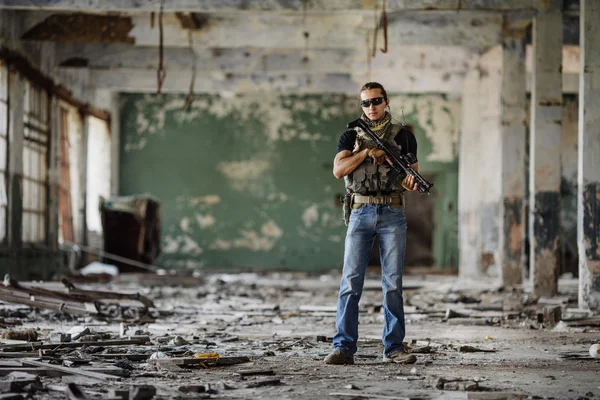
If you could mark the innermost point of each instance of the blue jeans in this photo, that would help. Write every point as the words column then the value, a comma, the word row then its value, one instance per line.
column 366, row 222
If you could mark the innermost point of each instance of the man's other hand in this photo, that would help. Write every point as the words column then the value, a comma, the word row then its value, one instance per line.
column 377, row 155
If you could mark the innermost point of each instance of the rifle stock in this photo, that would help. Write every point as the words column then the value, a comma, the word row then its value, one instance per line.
column 399, row 162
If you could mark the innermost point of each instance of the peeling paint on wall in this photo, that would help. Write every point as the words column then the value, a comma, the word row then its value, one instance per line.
column 247, row 181
column 205, row 221
column 244, row 175
column 185, row 225
column 310, row 216
column 438, row 117
column 202, row 201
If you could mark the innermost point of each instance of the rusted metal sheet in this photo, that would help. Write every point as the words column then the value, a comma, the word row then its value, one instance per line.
column 81, row 27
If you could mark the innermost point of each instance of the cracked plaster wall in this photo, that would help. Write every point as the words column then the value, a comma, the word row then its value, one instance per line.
column 246, row 182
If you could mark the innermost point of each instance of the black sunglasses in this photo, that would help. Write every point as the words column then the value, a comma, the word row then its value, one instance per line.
column 375, row 101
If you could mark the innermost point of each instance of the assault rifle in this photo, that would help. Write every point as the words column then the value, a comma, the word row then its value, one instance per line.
column 400, row 164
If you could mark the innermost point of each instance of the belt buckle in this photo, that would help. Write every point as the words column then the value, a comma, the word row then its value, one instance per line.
column 379, row 200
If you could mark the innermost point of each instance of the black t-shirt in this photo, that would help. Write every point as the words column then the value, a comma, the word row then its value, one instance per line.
column 405, row 139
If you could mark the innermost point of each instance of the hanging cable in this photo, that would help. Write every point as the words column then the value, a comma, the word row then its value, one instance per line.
column 384, row 24
column 160, row 72
column 189, row 99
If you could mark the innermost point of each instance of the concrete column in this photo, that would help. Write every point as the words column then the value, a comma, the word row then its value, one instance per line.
column 54, row 173
column 81, row 233
column 490, row 148
column 545, row 173
column 588, row 177
column 513, row 126
column 469, row 165
column 16, row 98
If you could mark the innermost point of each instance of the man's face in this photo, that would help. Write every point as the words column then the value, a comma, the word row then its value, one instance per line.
column 375, row 109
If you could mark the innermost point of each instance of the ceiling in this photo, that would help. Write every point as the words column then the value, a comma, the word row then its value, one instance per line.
column 295, row 45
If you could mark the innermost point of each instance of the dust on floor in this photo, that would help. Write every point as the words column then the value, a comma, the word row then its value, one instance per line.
column 239, row 336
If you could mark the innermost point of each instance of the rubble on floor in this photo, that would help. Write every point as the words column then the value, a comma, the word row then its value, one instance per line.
column 246, row 335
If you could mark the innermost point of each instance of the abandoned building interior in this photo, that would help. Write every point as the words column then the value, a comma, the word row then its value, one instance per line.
column 170, row 226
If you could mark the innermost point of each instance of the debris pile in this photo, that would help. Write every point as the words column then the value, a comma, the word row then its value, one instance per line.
column 247, row 335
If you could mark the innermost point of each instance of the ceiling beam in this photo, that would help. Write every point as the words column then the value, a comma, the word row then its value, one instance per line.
column 98, row 56
column 228, row 60
column 268, row 5
column 350, row 31
column 410, row 81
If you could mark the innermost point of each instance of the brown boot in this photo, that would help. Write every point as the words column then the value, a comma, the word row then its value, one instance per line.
column 400, row 357
column 339, row 357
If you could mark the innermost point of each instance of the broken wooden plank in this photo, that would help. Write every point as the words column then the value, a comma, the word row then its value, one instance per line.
column 495, row 396
column 39, row 345
column 472, row 349
column 18, row 354
column 255, row 372
column 594, row 321
column 11, row 396
column 359, row 395
column 107, row 295
column 39, row 291
column 108, row 369
column 129, row 356
column 266, row 382
column 72, row 371
column 12, row 295
column 206, row 361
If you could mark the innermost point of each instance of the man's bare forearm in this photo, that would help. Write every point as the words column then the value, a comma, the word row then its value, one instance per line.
column 345, row 162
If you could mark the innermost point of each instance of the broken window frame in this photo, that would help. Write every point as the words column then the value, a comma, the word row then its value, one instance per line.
column 98, row 170
column 3, row 151
column 36, row 164
column 65, row 202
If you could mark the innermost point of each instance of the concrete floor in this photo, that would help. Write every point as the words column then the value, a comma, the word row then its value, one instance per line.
column 284, row 323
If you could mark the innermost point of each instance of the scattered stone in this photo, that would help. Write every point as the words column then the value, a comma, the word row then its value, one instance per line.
column 143, row 392
column 551, row 316
column 59, row 337
column 16, row 381
column 456, row 384
column 28, row 335
column 77, row 331
column 179, row 341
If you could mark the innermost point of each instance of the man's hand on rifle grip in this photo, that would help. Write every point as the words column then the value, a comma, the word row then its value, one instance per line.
column 409, row 183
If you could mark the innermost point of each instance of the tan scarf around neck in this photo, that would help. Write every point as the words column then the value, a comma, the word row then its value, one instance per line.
column 379, row 126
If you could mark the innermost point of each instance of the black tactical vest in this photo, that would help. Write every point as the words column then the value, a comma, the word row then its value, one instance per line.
column 369, row 178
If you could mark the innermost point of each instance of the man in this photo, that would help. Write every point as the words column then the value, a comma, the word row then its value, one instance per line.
column 377, row 209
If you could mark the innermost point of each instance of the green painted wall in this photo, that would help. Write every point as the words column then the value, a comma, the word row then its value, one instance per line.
column 246, row 182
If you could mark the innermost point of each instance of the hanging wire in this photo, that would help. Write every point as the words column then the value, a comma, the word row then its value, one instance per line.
column 375, row 30
column 381, row 22
column 160, row 72
column 189, row 99
column 384, row 24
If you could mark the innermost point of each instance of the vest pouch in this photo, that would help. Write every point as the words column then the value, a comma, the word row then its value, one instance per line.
column 370, row 181
column 357, row 181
